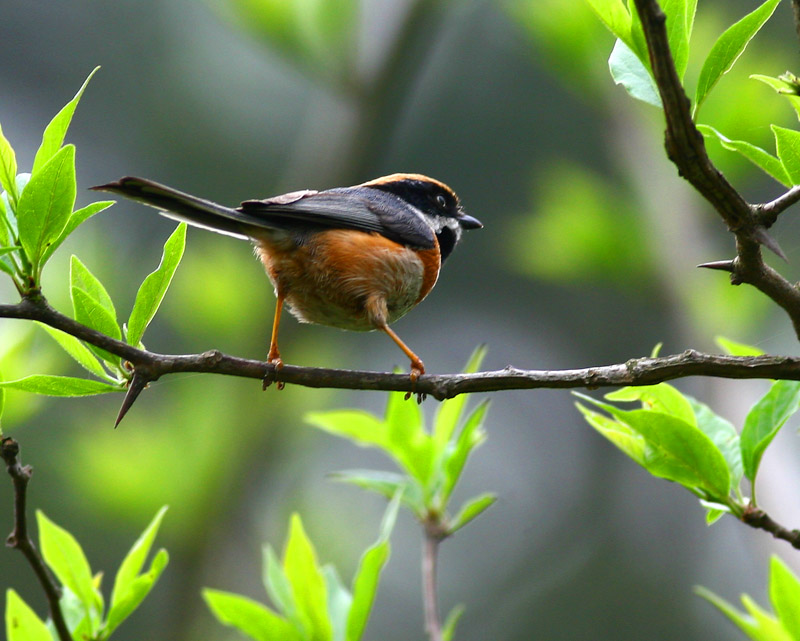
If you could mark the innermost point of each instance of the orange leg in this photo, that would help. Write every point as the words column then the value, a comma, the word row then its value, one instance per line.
column 417, row 366
column 274, row 355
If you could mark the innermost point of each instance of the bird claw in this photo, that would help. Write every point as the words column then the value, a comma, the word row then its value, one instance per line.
column 269, row 377
column 417, row 370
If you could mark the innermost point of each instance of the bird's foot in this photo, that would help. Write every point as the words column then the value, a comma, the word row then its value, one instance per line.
column 269, row 377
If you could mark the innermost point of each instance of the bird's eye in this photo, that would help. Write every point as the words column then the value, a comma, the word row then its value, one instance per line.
column 441, row 200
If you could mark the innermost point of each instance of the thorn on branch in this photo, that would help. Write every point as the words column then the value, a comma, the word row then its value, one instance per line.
column 722, row 265
column 137, row 383
column 760, row 234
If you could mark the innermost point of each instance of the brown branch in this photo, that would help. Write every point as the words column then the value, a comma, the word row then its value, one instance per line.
column 686, row 149
column 149, row 366
column 19, row 539
column 757, row 518
column 768, row 213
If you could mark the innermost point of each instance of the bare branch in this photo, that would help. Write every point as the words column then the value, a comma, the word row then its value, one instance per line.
column 769, row 212
column 19, row 539
column 760, row 520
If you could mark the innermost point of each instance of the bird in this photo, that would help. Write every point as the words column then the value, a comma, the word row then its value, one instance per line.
column 356, row 258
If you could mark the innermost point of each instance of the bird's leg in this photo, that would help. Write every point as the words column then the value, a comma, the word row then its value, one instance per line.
column 274, row 356
column 417, row 366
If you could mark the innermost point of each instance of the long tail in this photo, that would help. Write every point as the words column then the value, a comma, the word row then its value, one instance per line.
column 181, row 206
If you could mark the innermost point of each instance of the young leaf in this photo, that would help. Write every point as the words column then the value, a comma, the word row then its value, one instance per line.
column 620, row 434
column 629, row 71
column 81, row 278
column 388, row 484
column 95, row 315
column 764, row 420
column 251, row 618
column 784, row 592
column 786, row 85
column 759, row 626
column 660, row 398
column 407, row 441
column 308, row 584
column 723, row 435
column 22, row 623
column 78, row 351
column 365, row 581
column 737, row 349
column 278, row 587
column 787, row 142
column 472, row 435
column 8, row 168
column 470, row 510
column 132, row 563
column 614, row 15
column 450, row 410
column 450, row 623
column 135, row 592
column 357, row 425
column 728, row 47
column 65, row 557
column 765, row 161
column 680, row 18
column 339, row 602
column 46, row 204
column 54, row 133
column 48, row 385
column 79, row 216
column 154, row 287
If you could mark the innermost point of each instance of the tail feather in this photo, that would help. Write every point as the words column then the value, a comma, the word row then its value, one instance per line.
column 181, row 206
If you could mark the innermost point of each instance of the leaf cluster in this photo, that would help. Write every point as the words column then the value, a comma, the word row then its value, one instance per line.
column 675, row 437
column 85, row 612
column 311, row 602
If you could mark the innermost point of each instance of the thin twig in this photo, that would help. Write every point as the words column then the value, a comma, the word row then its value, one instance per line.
column 757, row 518
column 19, row 539
column 434, row 533
column 768, row 212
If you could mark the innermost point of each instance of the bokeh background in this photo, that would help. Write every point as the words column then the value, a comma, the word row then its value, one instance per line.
column 587, row 258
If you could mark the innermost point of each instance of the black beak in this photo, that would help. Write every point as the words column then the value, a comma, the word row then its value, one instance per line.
column 468, row 222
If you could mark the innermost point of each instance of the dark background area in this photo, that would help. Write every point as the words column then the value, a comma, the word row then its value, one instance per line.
column 587, row 258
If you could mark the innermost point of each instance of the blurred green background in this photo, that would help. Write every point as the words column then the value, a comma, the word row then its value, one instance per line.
column 587, row 257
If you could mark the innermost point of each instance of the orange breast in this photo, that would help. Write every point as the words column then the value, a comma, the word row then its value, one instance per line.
column 348, row 279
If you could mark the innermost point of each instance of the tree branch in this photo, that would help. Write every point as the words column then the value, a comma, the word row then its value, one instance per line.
column 768, row 212
column 686, row 149
column 149, row 366
column 19, row 539
column 757, row 518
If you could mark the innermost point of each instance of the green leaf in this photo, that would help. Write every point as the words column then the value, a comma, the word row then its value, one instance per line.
column 81, row 278
column 365, row 580
column 787, row 85
column 357, row 425
column 758, row 626
column 79, row 216
column 450, row 623
column 765, row 161
column 251, row 618
column 388, row 484
column 54, row 133
column 78, row 351
column 406, row 438
column 48, row 385
column 134, row 560
column 8, row 168
column 94, row 314
column 723, row 435
column 135, row 592
column 450, row 410
column 154, row 287
column 339, row 602
column 728, row 47
column 470, row 510
column 308, row 584
column 784, row 592
column 662, row 397
column 629, row 71
column 472, row 435
column 737, row 349
column 46, row 204
column 614, row 15
column 680, row 18
column 787, row 142
column 65, row 557
column 621, row 435
column 764, row 420
column 22, row 623
column 278, row 587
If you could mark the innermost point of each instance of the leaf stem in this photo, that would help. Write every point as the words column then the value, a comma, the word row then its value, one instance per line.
column 19, row 539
